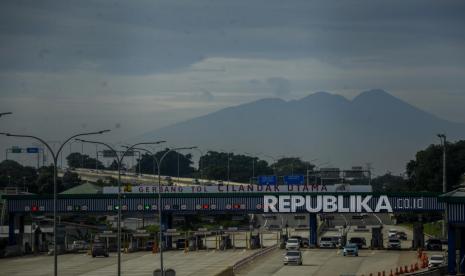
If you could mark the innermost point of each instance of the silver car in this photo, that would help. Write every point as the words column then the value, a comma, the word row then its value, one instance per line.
column 293, row 257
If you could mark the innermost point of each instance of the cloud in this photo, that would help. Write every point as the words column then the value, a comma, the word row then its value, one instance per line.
column 281, row 86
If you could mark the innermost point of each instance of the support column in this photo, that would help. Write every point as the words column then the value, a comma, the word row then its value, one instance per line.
column 167, row 223
column 462, row 250
column 451, row 258
column 418, row 239
column 313, row 225
column 11, row 229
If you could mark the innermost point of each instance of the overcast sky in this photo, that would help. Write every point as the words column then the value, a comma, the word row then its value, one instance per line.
column 134, row 66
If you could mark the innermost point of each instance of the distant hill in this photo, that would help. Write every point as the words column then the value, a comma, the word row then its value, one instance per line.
column 374, row 127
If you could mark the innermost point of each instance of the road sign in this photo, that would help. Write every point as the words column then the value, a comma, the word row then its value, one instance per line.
column 267, row 180
column 32, row 150
column 294, row 179
column 16, row 150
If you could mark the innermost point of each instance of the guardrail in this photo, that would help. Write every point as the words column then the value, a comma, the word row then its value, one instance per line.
column 252, row 257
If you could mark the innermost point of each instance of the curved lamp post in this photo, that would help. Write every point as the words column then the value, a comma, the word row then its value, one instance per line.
column 119, row 160
column 55, row 156
column 5, row 113
column 159, row 201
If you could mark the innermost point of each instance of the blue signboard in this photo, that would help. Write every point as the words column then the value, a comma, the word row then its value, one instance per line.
column 32, row 150
column 267, row 180
column 294, row 179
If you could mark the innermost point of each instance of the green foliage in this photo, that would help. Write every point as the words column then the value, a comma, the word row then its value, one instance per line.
column 241, row 167
column 15, row 175
column 77, row 160
column 390, row 183
column 292, row 166
column 425, row 172
column 169, row 165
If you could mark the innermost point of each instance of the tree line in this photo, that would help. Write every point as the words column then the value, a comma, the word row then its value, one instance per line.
column 423, row 173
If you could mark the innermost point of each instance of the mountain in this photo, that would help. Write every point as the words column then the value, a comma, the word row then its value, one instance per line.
column 374, row 127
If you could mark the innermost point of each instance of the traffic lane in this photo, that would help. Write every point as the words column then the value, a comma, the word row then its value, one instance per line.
column 322, row 262
column 134, row 264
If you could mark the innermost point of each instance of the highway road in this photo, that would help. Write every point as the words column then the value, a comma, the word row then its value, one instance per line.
column 327, row 262
column 199, row 263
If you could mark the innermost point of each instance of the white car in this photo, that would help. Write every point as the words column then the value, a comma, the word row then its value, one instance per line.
column 327, row 242
column 394, row 243
column 392, row 233
column 435, row 260
column 292, row 244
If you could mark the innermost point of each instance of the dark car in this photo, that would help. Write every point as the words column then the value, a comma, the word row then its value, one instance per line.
column 99, row 249
column 433, row 244
column 360, row 242
column 149, row 245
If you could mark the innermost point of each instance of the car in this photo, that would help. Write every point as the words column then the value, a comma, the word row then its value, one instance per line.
column 327, row 242
column 360, row 242
column 433, row 244
column 195, row 181
column 299, row 238
column 394, row 243
column 392, row 233
column 149, row 245
column 79, row 245
column 293, row 244
column 292, row 256
column 435, row 260
column 350, row 249
column 99, row 249
column 402, row 235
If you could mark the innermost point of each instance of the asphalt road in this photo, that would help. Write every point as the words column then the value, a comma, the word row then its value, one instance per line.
column 328, row 262
column 134, row 264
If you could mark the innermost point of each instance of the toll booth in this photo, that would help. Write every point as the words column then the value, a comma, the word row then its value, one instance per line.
column 168, row 238
column 110, row 238
column 377, row 237
column 138, row 240
column 455, row 213
column 225, row 242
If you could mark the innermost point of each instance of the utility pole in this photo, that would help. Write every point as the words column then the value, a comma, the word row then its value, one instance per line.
column 443, row 138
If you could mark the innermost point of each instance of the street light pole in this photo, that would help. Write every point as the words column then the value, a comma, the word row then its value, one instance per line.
column 55, row 156
column 159, row 203
column 119, row 160
column 443, row 139
column 5, row 113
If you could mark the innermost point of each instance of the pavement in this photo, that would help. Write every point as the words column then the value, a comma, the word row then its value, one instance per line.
column 135, row 264
column 328, row 262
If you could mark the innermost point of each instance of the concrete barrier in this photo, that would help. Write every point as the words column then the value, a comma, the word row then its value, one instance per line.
column 441, row 270
column 252, row 257
column 226, row 272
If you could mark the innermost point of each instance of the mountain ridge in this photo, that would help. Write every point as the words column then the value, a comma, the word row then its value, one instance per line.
column 374, row 127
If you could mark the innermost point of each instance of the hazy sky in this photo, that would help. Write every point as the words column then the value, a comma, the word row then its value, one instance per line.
column 133, row 66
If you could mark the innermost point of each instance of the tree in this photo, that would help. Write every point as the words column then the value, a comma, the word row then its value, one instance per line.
column 169, row 165
column 292, row 165
column 425, row 172
column 241, row 167
column 44, row 182
column 390, row 183
column 70, row 180
column 15, row 175
column 77, row 160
